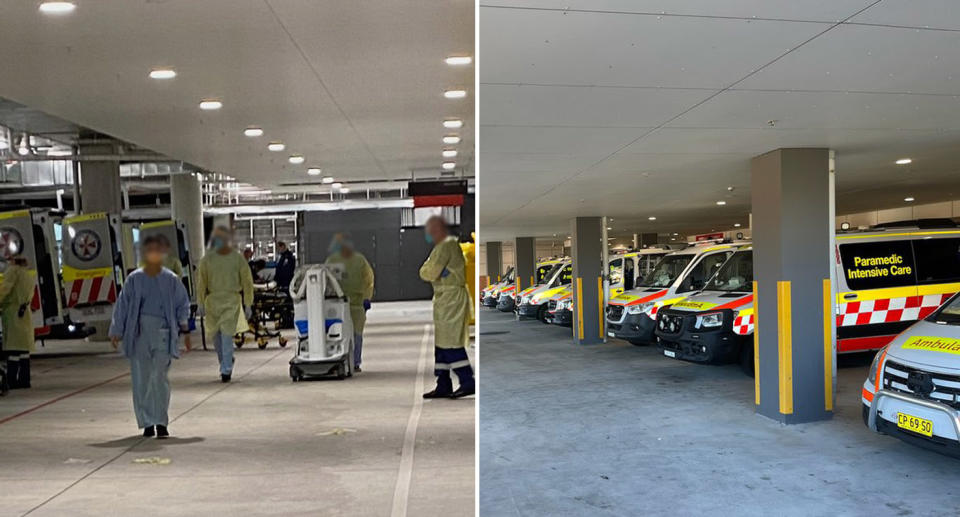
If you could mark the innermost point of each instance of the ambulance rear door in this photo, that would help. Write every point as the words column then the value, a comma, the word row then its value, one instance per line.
column 19, row 235
column 92, row 265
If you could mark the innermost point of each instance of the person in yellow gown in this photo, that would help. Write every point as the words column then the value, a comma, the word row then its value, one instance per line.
column 445, row 270
column 224, row 296
column 357, row 284
column 16, row 294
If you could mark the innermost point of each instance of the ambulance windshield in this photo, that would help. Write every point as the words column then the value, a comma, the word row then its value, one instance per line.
column 667, row 271
column 735, row 275
column 508, row 278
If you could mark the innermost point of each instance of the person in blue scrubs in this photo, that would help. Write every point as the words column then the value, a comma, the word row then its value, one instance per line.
column 149, row 316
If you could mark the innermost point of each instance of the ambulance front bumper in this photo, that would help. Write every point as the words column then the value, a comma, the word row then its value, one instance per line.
column 505, row 304
column 563, row 317
column 527, row 310
column 489, row 301
column 633, row 327
column 881, row 416
column 705, row 345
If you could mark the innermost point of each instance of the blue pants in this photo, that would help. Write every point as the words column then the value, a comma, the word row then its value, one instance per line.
column 224, row 346
column 148, row 372
column 446, row 359
column 357, row 348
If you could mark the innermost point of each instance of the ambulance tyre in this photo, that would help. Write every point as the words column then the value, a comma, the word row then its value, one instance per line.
column 542, row 314
column 746, row 357
column 342, row 371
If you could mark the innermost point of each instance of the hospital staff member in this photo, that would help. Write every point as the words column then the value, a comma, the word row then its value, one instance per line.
column 357, row 284
column 224, row 296
column 445, row 270
column 16, row 293
column 149, row 316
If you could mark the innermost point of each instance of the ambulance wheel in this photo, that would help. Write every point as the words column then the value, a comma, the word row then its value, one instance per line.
column 295, row 374
column 261, row 344
column 746, row 357
column 283, row 342
column 542, row 314
column 341, row 371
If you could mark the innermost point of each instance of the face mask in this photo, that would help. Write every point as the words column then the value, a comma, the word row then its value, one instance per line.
column 155, row 257
column 334, row 247
column 429, row 238
column 217, row 243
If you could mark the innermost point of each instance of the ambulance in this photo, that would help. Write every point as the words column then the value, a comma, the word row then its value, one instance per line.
column 716, row 324
column 544, row 269
column 93, row 268
column 912, row 390
column 631, row 315
column 491, row 294
column 560, row 309
column 31, row 233
column 887, row 279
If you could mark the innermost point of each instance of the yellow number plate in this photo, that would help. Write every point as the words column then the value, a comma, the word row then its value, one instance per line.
column 915, row 424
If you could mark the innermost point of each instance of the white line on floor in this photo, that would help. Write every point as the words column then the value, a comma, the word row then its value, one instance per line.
column 402, row 492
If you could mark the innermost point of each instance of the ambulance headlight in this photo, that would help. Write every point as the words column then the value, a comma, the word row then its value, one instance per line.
column 872, row 374
column 640, row 308
column 712, row 320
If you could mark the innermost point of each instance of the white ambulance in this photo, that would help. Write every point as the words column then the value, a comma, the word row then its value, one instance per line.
column 490, row 294
column 631, row 314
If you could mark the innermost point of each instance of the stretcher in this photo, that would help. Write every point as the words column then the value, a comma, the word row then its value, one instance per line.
column 271, row 305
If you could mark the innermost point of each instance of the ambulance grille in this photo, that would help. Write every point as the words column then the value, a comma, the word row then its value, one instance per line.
column 905, row 379
column 614, row 312
column 552, row 305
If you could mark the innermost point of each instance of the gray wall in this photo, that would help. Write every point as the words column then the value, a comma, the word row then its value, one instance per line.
column 395, row 253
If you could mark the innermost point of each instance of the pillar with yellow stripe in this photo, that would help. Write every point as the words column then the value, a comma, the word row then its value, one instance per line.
column 586, row 248
column 525, row 256
column 794, row 343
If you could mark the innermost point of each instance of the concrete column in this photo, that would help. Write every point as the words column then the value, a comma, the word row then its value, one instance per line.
column 586, row 249
column 525, row 254
column 186, row 204
column 792, row 191
column 494, row 261
column 100, row 181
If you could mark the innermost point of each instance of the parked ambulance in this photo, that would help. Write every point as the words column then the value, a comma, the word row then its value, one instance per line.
column 560, row 310
column 912, row 391
column 490, row 294
column 887, row 279
column 531, row 302
column 631, row 315
column 544, row 270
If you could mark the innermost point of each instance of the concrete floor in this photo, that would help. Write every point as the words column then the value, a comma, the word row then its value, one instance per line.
column 620, row 430
column 260, row 445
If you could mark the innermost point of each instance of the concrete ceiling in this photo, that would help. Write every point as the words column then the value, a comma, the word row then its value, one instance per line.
column 639, row 108
column 354, row 86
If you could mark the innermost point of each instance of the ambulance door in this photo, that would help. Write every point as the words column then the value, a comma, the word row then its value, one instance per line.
column 47, row 303
column 92, row 265
column 17, row 238
column 877, row 296
column 616, row 275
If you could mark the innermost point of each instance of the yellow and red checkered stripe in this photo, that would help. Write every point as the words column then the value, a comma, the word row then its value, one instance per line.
column 743, row 323
column 889, row 310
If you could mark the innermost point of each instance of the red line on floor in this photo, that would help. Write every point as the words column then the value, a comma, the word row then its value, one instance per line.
column 61, row 397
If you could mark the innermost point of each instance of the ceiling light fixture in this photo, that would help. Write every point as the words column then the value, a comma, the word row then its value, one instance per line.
column 459, row 60
column 163, row 73
column 448, row 166
column 57, row 7
column 276, row 146
column 908, row 199
column 455, row 94
column 315, row 171
column 296, row 159
column 327, row 179
column 253, row 131
column 337, row 185
column 721, row 203
column 210, row 104
column 449, row 153
column 652, row 218
column 736, row 225
column 904, row 161
column 451, row 139
column 453, row 123
column 344, row 190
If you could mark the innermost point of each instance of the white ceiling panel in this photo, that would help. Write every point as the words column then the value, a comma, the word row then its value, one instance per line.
column 590, row 141
column 941, row 14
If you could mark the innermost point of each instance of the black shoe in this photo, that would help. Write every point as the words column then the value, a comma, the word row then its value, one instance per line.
column 356, row 369
column 437, row 395
column 148, row 431
column 224, row 377
column 162, row 432
column 463, row 392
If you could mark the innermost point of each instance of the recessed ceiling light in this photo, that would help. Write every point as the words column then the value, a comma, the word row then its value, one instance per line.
column 721, row 203
column 163, row 73
column 451, row 139
column 344, row 190
column 453, row 123
column 736, row 225
column 455, row 94
column 908, row 199
column 730, row 189
column 608, row 229
column 449, row 153
column 652, row 218
column 904, row 161
column 57, row 7
column 276, row 146
column 459, row 60
column 327, row 179
column 253, row 131
column 448, row 166
column 210, row 104
column 295, row 159
column 337, row 185
column 675, row 234
column 315, row 171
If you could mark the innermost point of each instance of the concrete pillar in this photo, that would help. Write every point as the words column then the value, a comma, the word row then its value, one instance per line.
column 186, row 204
column 525, row 255
column 792, row 191
column 100, row 181
column 494, row 261
column 586, row 249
